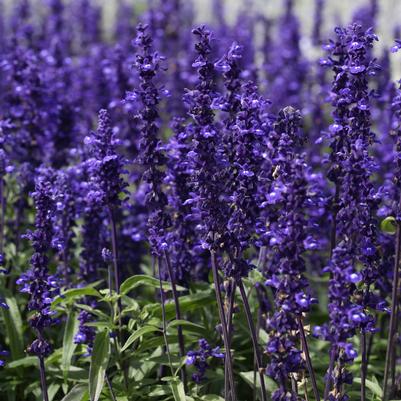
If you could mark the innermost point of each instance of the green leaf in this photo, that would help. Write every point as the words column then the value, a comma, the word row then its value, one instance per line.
column 372, row 386
column 165, row 360
column 75, row 373
column 69, row 345
column 248, row 377
column 263, row 336
column 389, row 225
column 94, row 311
column 139, row 333
column 70, row 295
column 101, row 325
column 98, row 365
column 53, row 390
column 14, row 329
column 154, row 342
column 256, row 276
column 23, row 362
column 211, row 397
column 188, row 303
column 141, row 279
column 193, row 327
column 178, row 390
column 159, row 390
column 142, row 368
column 77, row 393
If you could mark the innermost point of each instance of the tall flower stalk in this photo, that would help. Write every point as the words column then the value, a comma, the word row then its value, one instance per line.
column 208, row 164
column 152, row 159
column 242, row 143
column 289, row 239
column 106, row 185
column 395, row 297
column 37, row 281
column 351, row 167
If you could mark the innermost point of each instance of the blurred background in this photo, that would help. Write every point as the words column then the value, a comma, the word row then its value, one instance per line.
column 335, row 12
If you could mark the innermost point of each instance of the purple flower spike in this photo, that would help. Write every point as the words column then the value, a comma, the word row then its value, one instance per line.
column 355, row 227
column 37, row 282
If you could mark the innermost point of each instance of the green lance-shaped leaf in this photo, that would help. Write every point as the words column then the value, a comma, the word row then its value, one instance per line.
column 69, row 345
column 141, row 279
column 372, row 386
column 69, row 296
column 177, row 389
column 13, row 326
column 77, row 393
column 99, row 361
column 139, row 333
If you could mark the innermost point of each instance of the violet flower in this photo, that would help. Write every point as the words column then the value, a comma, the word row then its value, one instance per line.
column 188, row 257
column 64, row 220
column 151, row 152
column 200, row 359
column 207, row 159
column 3, row 353
column 37, row 281
column 86, row 334
column 355, row 202
column 288, row 239
column 105, row 170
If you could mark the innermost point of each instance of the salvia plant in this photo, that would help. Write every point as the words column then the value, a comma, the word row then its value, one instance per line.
column 199, row 210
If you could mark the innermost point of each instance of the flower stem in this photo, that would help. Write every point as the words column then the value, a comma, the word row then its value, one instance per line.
column 113, row 396
column 224, row 325
column 309, row 366
column 164, row 320
column 115, row 253
column 114, row 250
column 232, row 287
column 254, row 356
column 369, row 347
column 254, row 338
column 392, row 328
column 394, row 356
column 333, row 242
column 43, row 378
column 363, row 366
column 2, row 207
column 329, row 372
column 181, row 342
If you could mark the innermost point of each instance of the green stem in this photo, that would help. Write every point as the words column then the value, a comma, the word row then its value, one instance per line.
column 232, row 287
column 164, row 320
column 393, row 318
column 363, row 366
column 252, row 330
column 113, row 396
column 309, row 366
column 181, row 343
column 223, row 321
